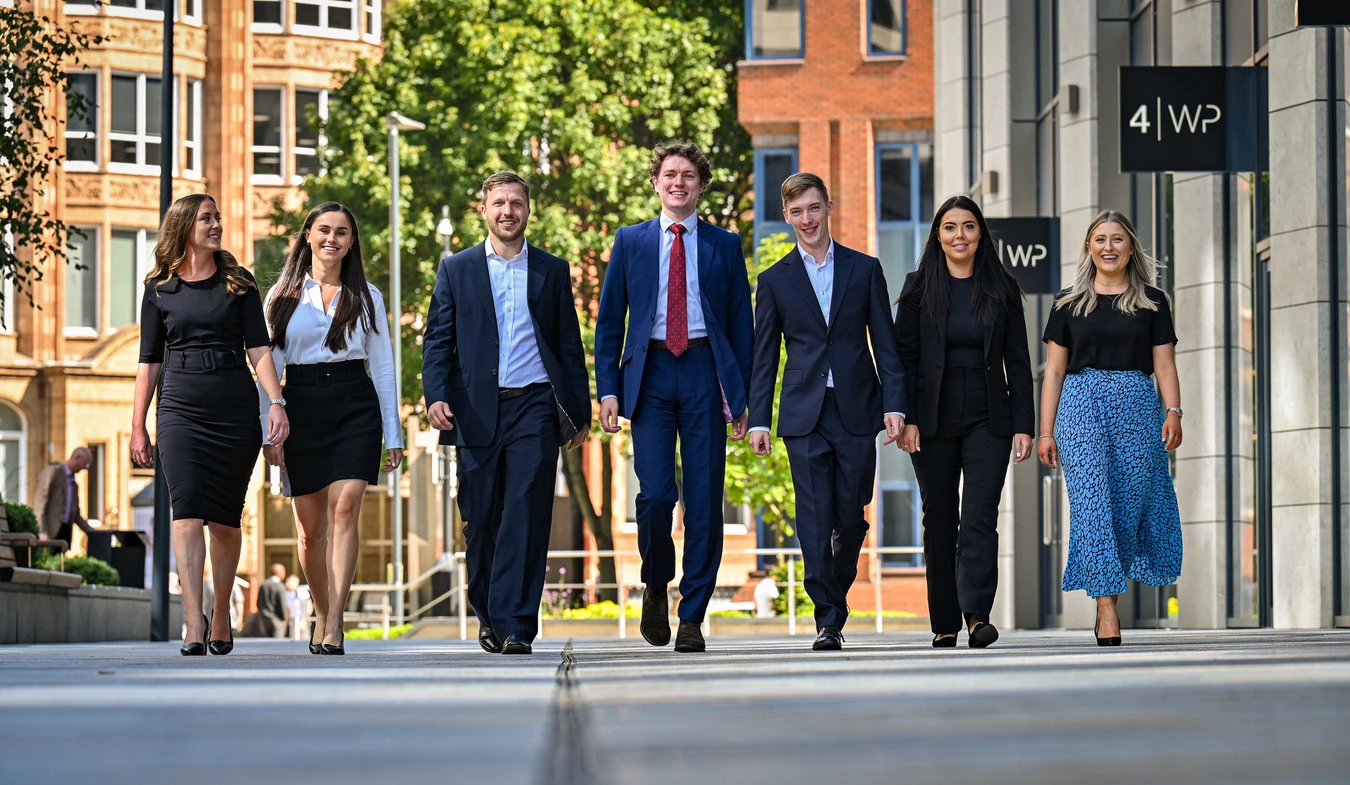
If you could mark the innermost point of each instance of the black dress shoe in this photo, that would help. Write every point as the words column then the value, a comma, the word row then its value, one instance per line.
column 195, row 649
column 947, row 642
column 489, row 640
column 982, row 636
column 655, row 624
column 514, row 645
column 829, row 639
column 689, row 638
column 339, row 649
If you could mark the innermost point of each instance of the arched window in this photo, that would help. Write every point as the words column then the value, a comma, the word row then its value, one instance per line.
column 13, row 454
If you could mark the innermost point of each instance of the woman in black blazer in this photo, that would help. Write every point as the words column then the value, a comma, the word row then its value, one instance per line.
column 963, row 342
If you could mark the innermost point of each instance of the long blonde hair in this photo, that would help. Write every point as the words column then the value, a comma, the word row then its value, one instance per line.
column 171, row 250
column 1141, row 272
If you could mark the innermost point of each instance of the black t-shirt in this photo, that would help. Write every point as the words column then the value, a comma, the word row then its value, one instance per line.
column 199, row 315
column 965, row 334
column 1109, row 340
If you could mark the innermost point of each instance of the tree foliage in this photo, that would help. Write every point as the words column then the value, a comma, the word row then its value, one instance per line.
column 36, row 56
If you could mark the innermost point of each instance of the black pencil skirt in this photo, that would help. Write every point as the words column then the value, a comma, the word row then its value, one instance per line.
column 209, row 437
column 336, row 429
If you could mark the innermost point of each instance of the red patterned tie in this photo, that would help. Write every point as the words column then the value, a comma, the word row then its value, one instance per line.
column 677, row 305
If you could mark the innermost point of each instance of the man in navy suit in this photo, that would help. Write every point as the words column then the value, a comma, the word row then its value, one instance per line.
column 826, row 301
column 672, row 354
column 505, row 379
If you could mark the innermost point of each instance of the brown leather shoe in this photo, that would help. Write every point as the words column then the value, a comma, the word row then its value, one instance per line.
column 689, row 638
column 655, row 624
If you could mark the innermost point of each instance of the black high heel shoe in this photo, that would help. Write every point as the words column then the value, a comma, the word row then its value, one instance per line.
column 195, row 649
column 222, row 647
column 314, row 648
column 1112, row 641
column 338, row 649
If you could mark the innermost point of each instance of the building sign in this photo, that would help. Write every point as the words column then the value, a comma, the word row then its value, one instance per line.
column 1193, row 119
column 1028, row 248
column 1321, row 13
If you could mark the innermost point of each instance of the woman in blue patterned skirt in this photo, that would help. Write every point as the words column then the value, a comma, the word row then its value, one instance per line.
column 1109, row 336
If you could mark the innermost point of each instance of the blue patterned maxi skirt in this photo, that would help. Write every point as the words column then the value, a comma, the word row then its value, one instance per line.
column 1123, row 517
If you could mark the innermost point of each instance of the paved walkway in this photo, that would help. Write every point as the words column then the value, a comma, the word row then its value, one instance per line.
column 1040, row 707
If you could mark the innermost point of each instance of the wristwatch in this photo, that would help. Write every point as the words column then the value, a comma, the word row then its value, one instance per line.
column 1176, row 409
column 279, row 402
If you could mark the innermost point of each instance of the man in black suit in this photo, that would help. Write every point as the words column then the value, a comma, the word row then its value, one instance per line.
column 825, row 301
column 505, row 378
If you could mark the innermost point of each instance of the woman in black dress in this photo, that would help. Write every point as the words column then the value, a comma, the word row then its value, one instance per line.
column 963, row 341
column 326, row 326
column 206, row 307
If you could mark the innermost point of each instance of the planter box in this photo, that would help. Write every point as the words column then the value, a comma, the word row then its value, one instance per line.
column 50, row 614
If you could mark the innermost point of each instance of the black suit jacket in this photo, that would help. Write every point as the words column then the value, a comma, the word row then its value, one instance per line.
column 923, row 349
column 460, row 344
column 786, row 309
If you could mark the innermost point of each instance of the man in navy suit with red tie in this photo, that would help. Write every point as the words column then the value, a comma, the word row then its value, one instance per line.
column 673, row 343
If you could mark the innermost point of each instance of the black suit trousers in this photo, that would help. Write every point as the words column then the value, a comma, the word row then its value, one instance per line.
column 832, row 471
column 961, row 470
column 506, row 499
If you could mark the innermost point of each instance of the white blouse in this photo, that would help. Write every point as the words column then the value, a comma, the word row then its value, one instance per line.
column 305, row 336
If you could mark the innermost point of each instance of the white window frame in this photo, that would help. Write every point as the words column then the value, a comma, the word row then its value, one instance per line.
column 268, row 27
column 372, row 24
column 141, row 267
column 93, row 236
column 281, row 177
column 141, row 137
column 192, row 12
column 322, row 29
column 22, row 438
column 138, row 12
column 194, row 108
column 81, row 9
column 297, row 150
column 86, row 166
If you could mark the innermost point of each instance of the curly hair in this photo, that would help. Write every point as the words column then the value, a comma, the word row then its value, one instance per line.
column 686, row 150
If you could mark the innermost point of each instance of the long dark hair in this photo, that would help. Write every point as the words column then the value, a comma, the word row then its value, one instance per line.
column 995, row 287
column 355, row 303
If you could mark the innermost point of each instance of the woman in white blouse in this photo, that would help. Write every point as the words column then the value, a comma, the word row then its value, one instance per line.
column 327, row 325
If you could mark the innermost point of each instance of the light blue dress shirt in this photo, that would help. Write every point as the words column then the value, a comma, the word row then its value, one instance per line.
column 694, row 308
column 822, row 283
column 518, row 360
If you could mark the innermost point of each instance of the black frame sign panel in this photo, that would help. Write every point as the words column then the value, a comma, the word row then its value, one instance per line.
column 1321, row 13
column 1193, row 119
column 1029, row 249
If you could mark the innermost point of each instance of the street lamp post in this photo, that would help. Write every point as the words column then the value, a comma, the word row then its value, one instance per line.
column 445, row 230
column 396, row 123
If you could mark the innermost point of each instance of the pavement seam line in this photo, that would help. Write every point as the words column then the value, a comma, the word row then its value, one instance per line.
column 568, row 758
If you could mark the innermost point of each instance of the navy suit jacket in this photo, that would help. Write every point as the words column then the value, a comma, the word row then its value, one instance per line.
column 630, row 290
column 866, row 383
column 460, row 345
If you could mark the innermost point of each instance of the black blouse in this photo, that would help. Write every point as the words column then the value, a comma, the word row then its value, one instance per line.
column 199, row 315
column 1109, row 340
column 965, row 334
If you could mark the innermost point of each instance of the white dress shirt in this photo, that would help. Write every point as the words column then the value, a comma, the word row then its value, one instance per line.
column 305, row 335
column 694, row 303
column 518, row 360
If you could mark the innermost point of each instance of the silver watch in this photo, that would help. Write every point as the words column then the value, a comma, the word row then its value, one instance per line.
column 1176, row 409
column 279, row 402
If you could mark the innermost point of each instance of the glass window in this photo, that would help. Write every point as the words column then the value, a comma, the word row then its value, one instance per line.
column 135, row 132
column 772, row 167
column 130, row 252
column 192, row 10
column 267, row 13
column 886, row 27
column 904, row 207
column 82, row 127
column 192, row 140
column 325, row 16
column 974, row 94
column 82, row 281
column 136, row 5
column 267, row 103
column 774, row 28
column 372, row 21
column 13, row 446
column 311, row 110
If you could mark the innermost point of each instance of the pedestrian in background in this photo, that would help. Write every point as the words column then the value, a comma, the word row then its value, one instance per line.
column 57, row 504
column 1110, row 335
column 272, row 604
column 327, row 325
column 963, row 341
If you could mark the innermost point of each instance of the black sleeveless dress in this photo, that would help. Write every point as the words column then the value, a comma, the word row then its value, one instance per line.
column 207, row 420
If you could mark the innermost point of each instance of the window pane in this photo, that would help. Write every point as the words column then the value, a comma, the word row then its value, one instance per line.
column 267, row 12
column 154, row 5
column 10, row 421
column 776, row 28
column 80, row 150
column 925, row 183
column 124, row 104
column 267, row 118
column 151, row 154
column 339, row 18
column 153, row 107
column 11, row 479
column 81, row 288
column 82, row 85
column 887, row 27
column 122, row 258
column 897, row 525
column 306, row 118
column 123, row 152
column 307, row 14
column 895, row 184
column 777, row 168
column 895, row 248
column 122, row 3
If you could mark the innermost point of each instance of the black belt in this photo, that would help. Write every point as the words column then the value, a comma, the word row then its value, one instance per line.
column 203, row 360
column 321, row 374
column 507, row 393
column 663, row 346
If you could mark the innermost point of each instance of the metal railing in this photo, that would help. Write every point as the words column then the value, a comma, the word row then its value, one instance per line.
column 459, row 589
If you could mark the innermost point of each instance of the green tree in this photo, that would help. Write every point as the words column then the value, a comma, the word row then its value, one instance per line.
column 36, row 57
column 573, row 94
